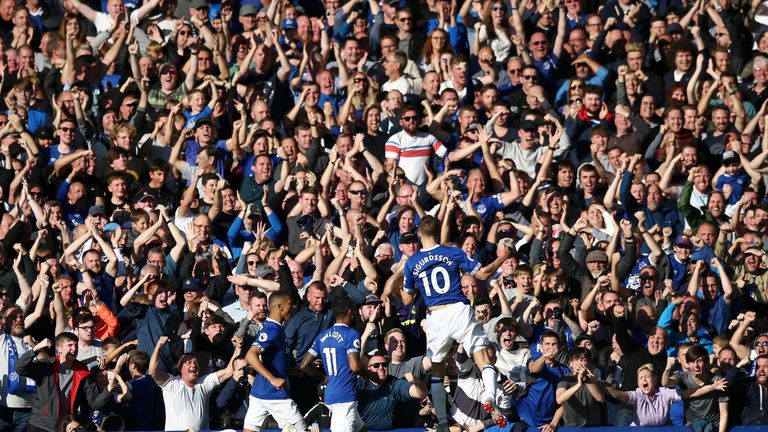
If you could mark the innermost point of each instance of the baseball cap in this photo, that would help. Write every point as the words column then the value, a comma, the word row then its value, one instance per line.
column 528, row 125
column 289, row 23
column 248, row 10
column 197, row 4
column 408, row 237
column 674, row 28
column 683, row 241
column 264, row 270
column 371, row 299
column 597, row 256
column 190, row 285
column 203, row 121
column 165, row 66
column 45, row 133
column 96, row 210
column 730, row 156
column 147, row 195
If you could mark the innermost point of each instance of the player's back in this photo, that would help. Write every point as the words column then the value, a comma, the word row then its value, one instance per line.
column 436, row 272
column 274, row 355
column 332, row 347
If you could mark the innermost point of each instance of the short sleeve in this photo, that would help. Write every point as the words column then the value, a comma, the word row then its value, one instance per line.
column 632, row 397
column 353, row 343
column 468, row 265
column 408, row 278
column 263, row 340
column 438, row 147
column 314, row 349
column 401, row 389
column 170, row 384
column 392, row 149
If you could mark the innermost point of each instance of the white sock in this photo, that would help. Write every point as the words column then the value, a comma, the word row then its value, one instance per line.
column 489, row 382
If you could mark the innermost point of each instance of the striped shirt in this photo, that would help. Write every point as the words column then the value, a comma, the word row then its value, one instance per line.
column 413, row 153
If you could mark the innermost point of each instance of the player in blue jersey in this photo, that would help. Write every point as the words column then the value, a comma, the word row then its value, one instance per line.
column 436, row 271
column 339, row 349
column 269, row 357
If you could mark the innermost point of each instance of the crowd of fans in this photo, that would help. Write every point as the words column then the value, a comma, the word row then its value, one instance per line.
column 173, row 174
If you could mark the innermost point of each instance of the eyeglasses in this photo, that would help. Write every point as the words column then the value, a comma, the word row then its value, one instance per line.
column 167, row 72
column 539, row 42
column 497, row 8
column 409, row 118
column 405, row 19
column 184, row 33
column 577, row 87
column 63, row 129
column 761, row 344
column 514, row 71
column 3, row 294
column 358, row 192
column 647, row 277
column 359, row 80
column 87, row 328
column 529, row 77
column 251, row 263
column 378, row 365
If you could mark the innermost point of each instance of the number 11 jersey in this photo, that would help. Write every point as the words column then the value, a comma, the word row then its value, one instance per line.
column 436, row 272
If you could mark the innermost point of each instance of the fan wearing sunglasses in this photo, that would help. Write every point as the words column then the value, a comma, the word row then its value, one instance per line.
column 378, row 394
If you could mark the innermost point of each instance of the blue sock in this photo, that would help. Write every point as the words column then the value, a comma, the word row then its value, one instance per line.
column 439, row 400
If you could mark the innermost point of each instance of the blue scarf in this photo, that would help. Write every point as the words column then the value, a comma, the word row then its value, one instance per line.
column 14, row 383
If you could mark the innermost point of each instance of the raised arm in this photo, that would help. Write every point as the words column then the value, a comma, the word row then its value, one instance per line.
column 157, row 374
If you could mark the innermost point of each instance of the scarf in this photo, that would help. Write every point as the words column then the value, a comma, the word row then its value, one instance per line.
column 14, row 382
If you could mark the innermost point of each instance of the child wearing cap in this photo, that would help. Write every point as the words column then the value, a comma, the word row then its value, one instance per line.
column 736, row 174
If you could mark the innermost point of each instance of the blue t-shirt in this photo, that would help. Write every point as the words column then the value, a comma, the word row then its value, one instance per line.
column 487, row 207
column 679, row 273
column 539, row 404
column 192, row 118
column 738, row 182
column 274, row 354
column 436, row 272
column 333, row 346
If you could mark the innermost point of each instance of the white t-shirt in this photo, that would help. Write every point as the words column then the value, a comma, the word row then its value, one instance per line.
column 187, row 407
column 401, row 84
column 413, row 153
column 104, row 22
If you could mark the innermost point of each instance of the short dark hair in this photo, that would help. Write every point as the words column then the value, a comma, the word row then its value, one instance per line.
column 66, row 337
column 430, row 227
column 695, row 352
column 277, row 297
column 342, row 306
column 140, row 360
column 550, row 334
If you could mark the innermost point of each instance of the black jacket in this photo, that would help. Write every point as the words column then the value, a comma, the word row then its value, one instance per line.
column 45, row 405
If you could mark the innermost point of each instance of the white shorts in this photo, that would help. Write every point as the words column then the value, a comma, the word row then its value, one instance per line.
column 345, row 418
column 284, row 411
column 454, row 323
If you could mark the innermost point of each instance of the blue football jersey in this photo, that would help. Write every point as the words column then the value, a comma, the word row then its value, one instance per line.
column 436, row 272
column 332, row 347
column 274, row 354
